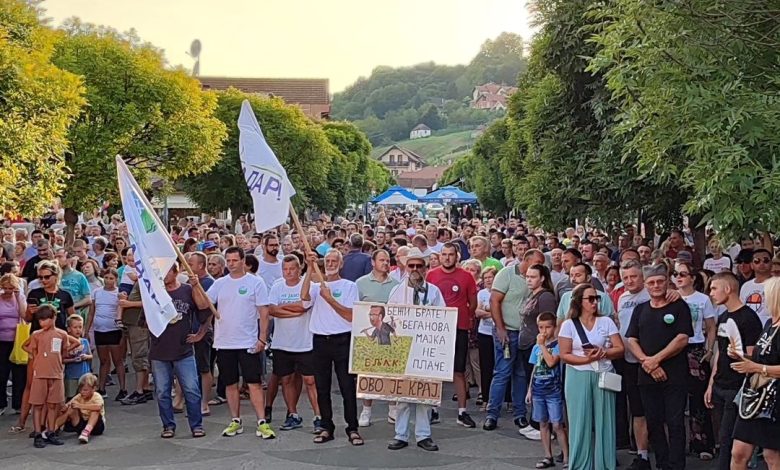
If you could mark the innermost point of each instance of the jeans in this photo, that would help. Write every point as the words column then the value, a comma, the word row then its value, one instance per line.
column 665, row 413
column 723, row 401
column 331, row 353
column 186, row 372
column 506, row 371
column 422, row 421
column 18, row 375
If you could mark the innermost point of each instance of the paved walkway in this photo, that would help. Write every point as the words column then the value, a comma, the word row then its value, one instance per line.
column 132, row 441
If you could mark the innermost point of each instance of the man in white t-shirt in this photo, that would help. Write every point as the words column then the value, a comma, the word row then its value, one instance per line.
column 292, row 345
column 331, row 323
column 431, row 236
column 752, row 291
column 242, row 301
column 270, row 268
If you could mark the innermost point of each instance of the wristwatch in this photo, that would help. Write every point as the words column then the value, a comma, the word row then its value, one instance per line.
column 763, row 370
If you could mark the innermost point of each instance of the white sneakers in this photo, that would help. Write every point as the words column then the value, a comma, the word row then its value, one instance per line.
column 530, row 433
column 365, row 417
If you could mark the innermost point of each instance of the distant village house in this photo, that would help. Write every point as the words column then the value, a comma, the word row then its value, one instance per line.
column 491, row 96
column 420, row 131
column 398, row 160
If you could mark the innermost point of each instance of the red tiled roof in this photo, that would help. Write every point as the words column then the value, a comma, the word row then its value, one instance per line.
column 423, row 178
column 292, row 90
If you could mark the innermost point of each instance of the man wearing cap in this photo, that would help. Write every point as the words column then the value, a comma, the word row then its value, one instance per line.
column 657, row 336
column 417, row 292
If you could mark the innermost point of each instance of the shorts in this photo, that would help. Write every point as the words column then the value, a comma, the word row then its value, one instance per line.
column 548, row 408
column 203, row 354
column 236, row 363
column 43, row 391
column 461, row 350
column 286, row 362
column 126, row 288
column 108, row 338
column 97, row 430
column 630, row 373
column 138, row 339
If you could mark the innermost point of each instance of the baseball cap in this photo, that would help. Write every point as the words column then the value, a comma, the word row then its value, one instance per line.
column 207, row 245
column 685, row 256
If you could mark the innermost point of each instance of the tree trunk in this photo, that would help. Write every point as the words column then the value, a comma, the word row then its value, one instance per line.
column 71, row 219
column 699, row 233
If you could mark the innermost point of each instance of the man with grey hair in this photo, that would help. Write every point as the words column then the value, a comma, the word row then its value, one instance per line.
column 480, row 250
column 657, row 336
column 356, row 263
column 216, row 265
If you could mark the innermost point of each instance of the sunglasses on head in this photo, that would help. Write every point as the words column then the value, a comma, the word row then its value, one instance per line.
column 592, row 298
column 680, row 274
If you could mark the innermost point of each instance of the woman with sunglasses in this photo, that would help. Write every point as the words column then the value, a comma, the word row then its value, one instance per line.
column 587, row 405
column 699, row 351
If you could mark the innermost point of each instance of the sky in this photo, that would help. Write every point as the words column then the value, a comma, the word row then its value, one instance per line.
column 336, row 39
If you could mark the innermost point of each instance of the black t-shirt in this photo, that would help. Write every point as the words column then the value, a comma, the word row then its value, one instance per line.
column 655, row 328
column 172, row 344
column 749, row 327
column 61, row 301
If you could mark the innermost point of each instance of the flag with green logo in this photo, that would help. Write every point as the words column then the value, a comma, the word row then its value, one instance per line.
column 152, row 248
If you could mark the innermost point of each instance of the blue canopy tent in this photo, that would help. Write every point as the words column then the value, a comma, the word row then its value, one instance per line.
column 449, row 195
column 396, row 195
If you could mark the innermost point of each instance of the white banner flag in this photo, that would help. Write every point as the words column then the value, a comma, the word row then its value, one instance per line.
column 152, row 249
column 266, row 178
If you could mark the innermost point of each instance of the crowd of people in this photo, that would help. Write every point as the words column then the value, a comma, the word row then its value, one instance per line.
column 592, row 342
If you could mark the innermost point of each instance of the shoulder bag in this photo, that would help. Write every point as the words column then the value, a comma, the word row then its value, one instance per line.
column 758, row 396
column 607, row 380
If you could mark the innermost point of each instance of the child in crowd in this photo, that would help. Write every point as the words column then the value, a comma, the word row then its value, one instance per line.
column 127, row 278
column 47, row 391
column 77, row 362
column 85, row 414
column 545, row 391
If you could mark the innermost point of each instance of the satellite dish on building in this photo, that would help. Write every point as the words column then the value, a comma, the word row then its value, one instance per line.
column 195, row 54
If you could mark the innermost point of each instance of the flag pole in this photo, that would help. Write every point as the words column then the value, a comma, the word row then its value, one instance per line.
column 297, row 223
column 179, row 254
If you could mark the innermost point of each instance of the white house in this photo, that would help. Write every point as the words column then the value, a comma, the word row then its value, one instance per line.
column 420, row 131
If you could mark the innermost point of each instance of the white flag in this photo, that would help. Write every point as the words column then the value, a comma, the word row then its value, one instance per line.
column 152, row 249
column 266, row 178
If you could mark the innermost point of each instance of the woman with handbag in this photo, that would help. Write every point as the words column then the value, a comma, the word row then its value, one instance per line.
column 588, row 343
column 758, row 423
column 12, row 307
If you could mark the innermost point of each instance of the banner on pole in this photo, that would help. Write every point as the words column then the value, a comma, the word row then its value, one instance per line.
column 152, row 249
column 266, row 179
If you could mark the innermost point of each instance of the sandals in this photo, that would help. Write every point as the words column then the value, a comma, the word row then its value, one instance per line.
column 15, row 430
column 168, row 433
column 323, row 437
column 355, row 439
column 546, row 462
column 199, row 432
column 217, row 401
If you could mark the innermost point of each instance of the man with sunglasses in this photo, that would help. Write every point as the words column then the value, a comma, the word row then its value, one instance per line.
column 657, row 336
column 417, row 292
column 752, row 292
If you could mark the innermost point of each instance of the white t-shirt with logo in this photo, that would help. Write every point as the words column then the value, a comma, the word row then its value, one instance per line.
column 290, row 334
column 485, row 324
column 627, row 302
column 325, row 320
column 237, row 301
column 718, row 265
column 270, row 272
column 701, row 309
column 752, row 293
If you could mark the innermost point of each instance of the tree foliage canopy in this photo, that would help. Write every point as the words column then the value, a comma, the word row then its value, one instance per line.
column 157, row 118
column 39, row 101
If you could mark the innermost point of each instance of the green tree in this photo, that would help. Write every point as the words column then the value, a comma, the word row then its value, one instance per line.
column 699, row 94
column 300, row 145
column 159, row 120
column 38, row 101
column 431, row 118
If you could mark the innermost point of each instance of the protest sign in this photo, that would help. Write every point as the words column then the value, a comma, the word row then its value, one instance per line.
column 371, row 387
column 404, row 341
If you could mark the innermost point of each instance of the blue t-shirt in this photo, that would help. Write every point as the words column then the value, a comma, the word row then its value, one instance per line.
column 74, row 370
column 546, row 380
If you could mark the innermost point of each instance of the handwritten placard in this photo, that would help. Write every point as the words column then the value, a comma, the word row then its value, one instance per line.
column 410, row 390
